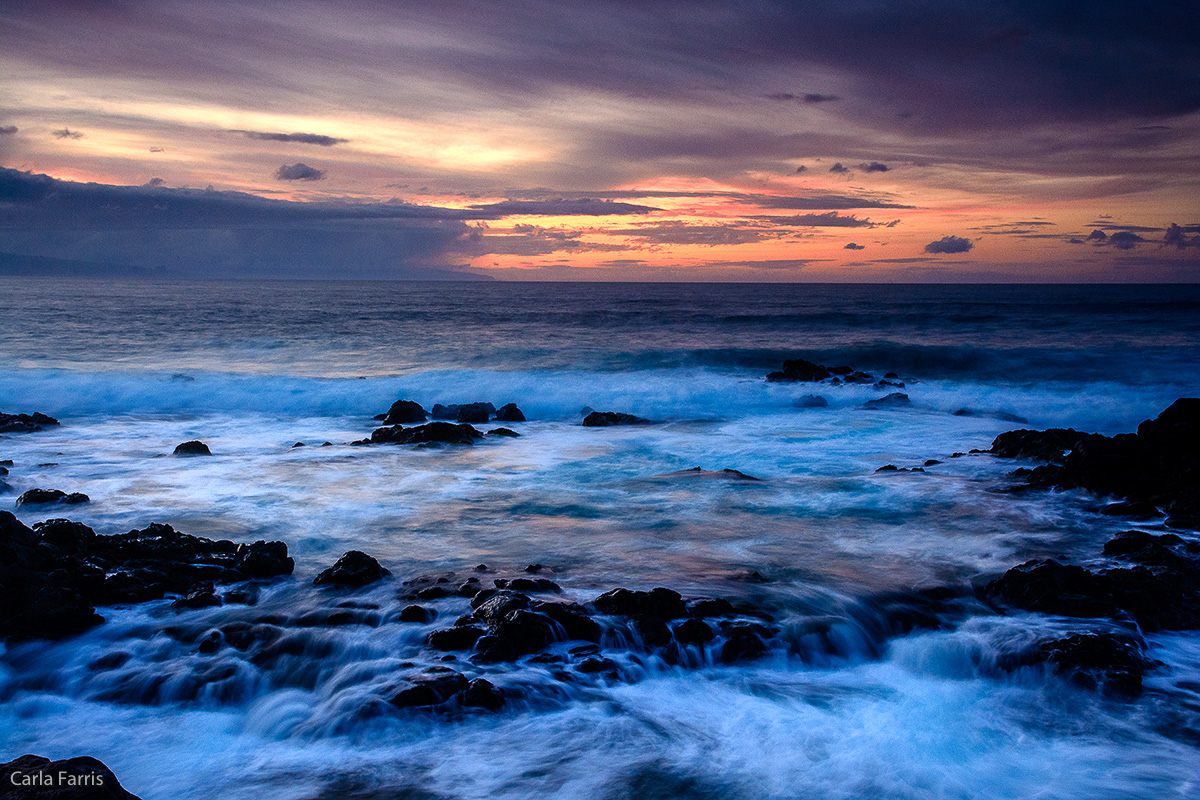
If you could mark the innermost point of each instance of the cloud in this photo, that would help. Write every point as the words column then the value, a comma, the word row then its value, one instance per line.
column 853, row 246
column 874, row 166
column 299, row 172
column 154, row 182
column 1125, row 240
column 838, row 168
column 950, row 244
column 1097, row 236
column 8, row 130
column 810, row 97
column 814, row 202
column 830, row 219
column 1175, row 238
column 67, row 133
column 301, row 138
column 676, row 232
column 584, row 206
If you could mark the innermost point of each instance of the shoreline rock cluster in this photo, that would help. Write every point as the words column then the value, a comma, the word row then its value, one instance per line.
column 799, row 370
column 26, row 423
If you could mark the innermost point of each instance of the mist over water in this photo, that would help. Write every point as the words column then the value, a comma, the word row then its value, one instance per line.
column 132, row 369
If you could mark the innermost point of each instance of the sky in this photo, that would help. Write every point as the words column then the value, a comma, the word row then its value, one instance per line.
column 830, row 140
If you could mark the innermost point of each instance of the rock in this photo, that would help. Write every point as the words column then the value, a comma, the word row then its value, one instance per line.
column 710, row 474
column 263, row 559
column 481, row 693
column 460, row 637
column 430, row 687
column 893, row 400
column 573, row 619
column 931, row 462
column 297, row 444
column 500, row 604
column 858, row 377
column 509, row 413
column 46, row 496
column 522, row 632
column 593, row 665
column 1134, row 509
column 529, row 585
column 203, row 598
column 810, row 401
column 744, row 642
column 1114, row 663
column 429, row 433
column 661, row 603
column 709, row 607
column 1005, row 416
column 888, row 468
column 475, row 412
column 353, row 569
column 440, row 411
column 693, row 631
column 604, row 419
column 417, row 614
column 192, row 448
column 82, row 778
column 404, row 411
column 503, row 432
column 799, row 370
column 25, row 423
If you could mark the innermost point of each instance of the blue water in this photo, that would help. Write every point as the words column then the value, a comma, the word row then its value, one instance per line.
column 133, row 368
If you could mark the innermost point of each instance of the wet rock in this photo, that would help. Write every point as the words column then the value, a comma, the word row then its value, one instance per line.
column 710, row 474
column 430, row 687
column 417, row 614
column 26, row 423
column 523, row 632
column 810, row 401
column 693, row 631
column 354, row 569
column 652, row 631
column 67, row 537
column 1113, row 663
column 884, row 385
column 80, row 778
column 440, row 411
column 481, row 693
column 503, row 432
column 1134, row 509
column 460, row 637
column 744, row 642
column 429, row 433
column 509, row 413
column 604, row 419
column 403, row 412
column 931, row 462
column 572, row 618
column 534, row 585
column 596, row 665
column 799, row 370
column 660, row 602
column 858, row 377
column 298, row 444
column 475, row 412
column 202, row 598
column 709, row 607
column 263, row 559
column 893, row 400
column 192, row 448
column 491, row 609
column 1049, row 445
column 47, row 496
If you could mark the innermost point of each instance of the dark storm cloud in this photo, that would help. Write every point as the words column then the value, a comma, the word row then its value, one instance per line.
column 874, row 166
column 299, row 172
column 8, row 130
column 838, row 168
column 301, row 138
column 811, row 97
column 1097, row 236
column 67, row 133
column 853, row 246
column 949, row 244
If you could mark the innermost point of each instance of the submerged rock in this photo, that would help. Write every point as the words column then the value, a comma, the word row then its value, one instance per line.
column 79, row 778
column 430, row 687
column 192, row 448
column 47, row 496
column 800, row 370
column 810, row 401
column 355, row 568
column 503, row 432
column 710, row 474
column 604, row 419
column 893, row 400
column 26, row 423
column 429, row 433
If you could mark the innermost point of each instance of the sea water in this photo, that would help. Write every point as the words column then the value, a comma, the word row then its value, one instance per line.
column 134, row 368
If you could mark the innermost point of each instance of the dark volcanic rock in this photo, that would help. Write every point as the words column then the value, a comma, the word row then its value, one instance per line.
column 192, row 448
column 25, row 423
column 475, row 412
column 431, row 687
column 480, row 693
column 509, row 413
column 417, row 614
column 404, row 411
column 799, row 370
column 355, row 568
column 693, row 631
column 460, row 637
column 810, row 401
column 893, row 400
column 51, row 578
column 429, row 433
column 1111, row 662
column 661, row 603
column 1159, row 465
column 604, row 419
column 503, row 432
column 80, row 778
column 46, row 496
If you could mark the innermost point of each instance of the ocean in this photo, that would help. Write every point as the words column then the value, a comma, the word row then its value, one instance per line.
column 848, row 708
